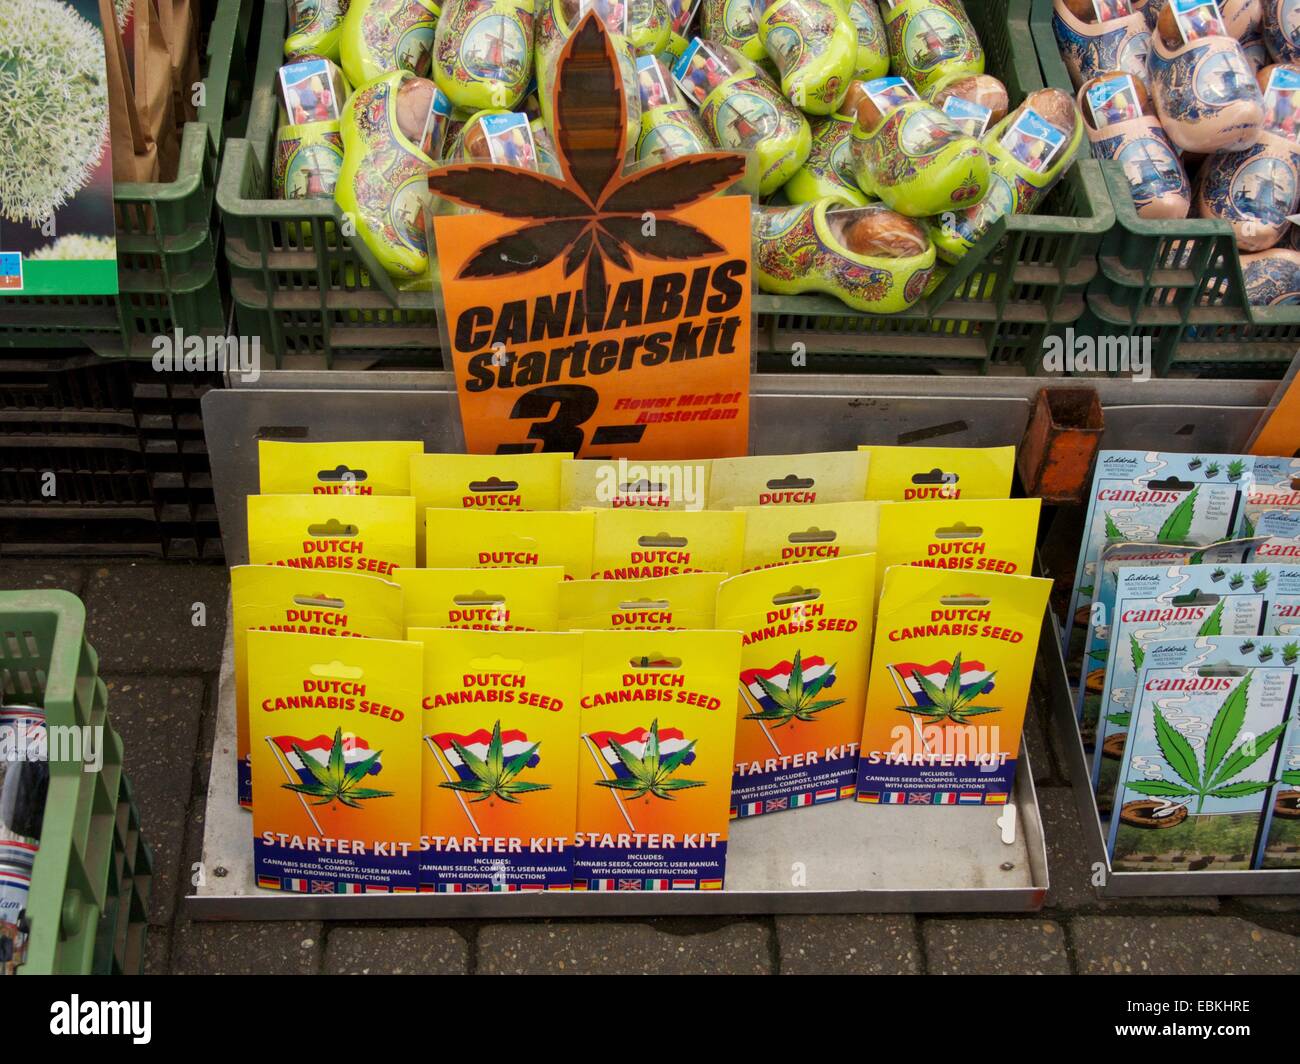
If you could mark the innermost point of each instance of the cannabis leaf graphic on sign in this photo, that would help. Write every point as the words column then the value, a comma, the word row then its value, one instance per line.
column 336, row 781
column 1222, row 762
column 493, row 775
column 595, row 214
column 651, row 774
column 952, row 702
column 797, row 700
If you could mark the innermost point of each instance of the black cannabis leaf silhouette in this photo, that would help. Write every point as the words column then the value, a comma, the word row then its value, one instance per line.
column 595, row 213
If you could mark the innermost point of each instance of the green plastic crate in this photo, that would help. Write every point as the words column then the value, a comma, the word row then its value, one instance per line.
column 1175, row 282
column 166, row 231
column 312, row 298
column 92, row 857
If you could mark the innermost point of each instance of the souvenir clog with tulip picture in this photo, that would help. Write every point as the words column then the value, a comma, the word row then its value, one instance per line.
column 910, row 154
column 483, row 54
column 871, row 258
column 931, row 39
column 1121, row 125
column 829, row 169
column 742, row 110
column 383, row 183
column 379, row 36
column 1030, row 149
column 1203, row 86
column 815, row 48
column 1092, row 44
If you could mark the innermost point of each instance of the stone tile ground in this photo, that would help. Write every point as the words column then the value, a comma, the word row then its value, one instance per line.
column 162, row 673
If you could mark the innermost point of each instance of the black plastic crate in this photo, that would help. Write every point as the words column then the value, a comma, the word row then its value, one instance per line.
column 125, row 446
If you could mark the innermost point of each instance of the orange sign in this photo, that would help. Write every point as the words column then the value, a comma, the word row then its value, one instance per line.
column 660, row 371
column 598, row 312
column 1279, row 430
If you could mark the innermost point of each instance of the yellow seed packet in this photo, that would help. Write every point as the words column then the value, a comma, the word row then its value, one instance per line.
column 359, row 467
column 635, row 545
column 500, row 756
column 370, row 534
column 780, row 535
column 687, row 600
column 273, row 599
column 965, row 535
column 654, row 765
column 335, row 727
column 789, row 479
column 950, row 677
column 496, row 600
column 624, row 484
column 502, row 539
column 914, row 474
column 806, row 646
column 484, row 482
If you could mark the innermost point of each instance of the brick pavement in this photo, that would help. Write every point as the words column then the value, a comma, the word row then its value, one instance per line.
column 162, row 676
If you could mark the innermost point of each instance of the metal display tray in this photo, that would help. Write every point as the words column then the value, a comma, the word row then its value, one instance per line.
column 1112, row 884
column 844, row 857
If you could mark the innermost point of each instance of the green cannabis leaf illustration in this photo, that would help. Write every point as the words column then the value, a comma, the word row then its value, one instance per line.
column 1222, row 760
column 1213, row 624
column 1120, row 720
column 336, row 781
column 494, row 776
column 950, row 702
column 652, row 774
column 798, row 700
column 1138, row 654
column 1112, row 530
column 1247, row 527
column 1178, row 525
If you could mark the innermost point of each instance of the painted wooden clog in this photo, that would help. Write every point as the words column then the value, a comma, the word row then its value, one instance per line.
column 930, row 39
column 1092, row 48
column 1142, row 148
column 917, row 161
column 1272, row 277
column 1282, row 29
column 1254, row 190
column 742, row 111
column 669, row 128
column 815, row 48
column 1244, row 20
column 383, row 184
column 829, row 169
column 483, row 55
column 733, row 24
column 380, row 36
column 1015, row 186
column 804, row 248
column 1205, row 94
column 873, row 50
column 315, row 28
